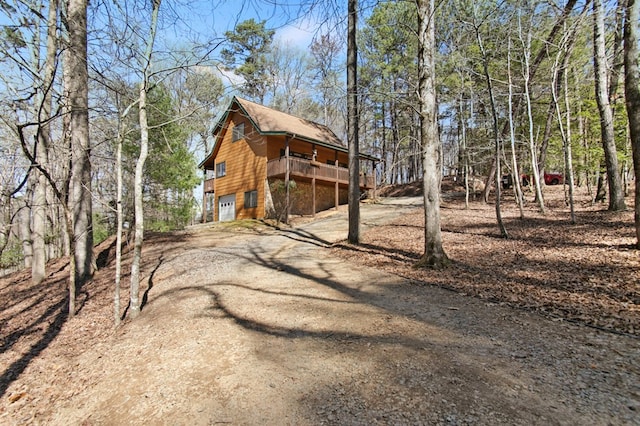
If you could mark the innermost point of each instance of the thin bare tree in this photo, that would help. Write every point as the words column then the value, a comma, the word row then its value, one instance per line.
column 526, row 74
column 134, row 303
column 616, row 194
column 632, row 96
column 43, row 106
column 352, row 124
column 512, row 137
column 434, row 255
column 542, row 53
column 559, row 72
column 497, row 143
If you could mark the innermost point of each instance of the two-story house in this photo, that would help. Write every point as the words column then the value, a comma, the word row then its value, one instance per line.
column 266, row 163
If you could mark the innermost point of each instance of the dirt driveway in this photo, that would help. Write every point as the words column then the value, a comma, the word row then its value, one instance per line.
column 266, row 328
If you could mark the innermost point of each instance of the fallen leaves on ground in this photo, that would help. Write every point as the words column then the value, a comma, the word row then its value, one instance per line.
column 588, row 272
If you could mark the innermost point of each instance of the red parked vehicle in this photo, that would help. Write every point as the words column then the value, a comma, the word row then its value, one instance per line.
column 551, row 178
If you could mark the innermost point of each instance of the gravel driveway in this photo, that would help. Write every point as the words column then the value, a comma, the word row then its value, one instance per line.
column 267, row 328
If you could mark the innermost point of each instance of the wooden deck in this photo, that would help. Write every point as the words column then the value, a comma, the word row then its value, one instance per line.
column 299, row 167
column 208, row 185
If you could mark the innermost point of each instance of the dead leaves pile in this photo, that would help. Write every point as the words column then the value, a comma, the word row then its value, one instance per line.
column 588, row 272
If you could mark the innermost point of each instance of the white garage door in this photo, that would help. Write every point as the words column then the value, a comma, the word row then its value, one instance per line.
column 227, row 207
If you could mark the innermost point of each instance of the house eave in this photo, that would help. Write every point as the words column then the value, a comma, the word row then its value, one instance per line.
column 224, row 118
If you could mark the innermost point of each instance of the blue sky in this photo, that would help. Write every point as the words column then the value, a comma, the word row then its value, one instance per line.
column 215, row 17
column 291, row 24
column 206, row 21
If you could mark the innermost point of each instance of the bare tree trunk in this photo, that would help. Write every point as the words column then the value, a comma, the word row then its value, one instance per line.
column 526, row 50
column 585, row 146
column 512, row 138
column 542, row 53
column 72, row 263
column 617, row 59
column 24, row 227
column 544, row 145
column 464, row 156
column 385, row 162
column 560, row 72
column 38, row 182
column 78, row 94
column 352, row 124
column 63, row 198
column 496, row 135
column 601, row 192
column 616, row 195
column 39, row 222
column 632, row 97
column 568, row 156
column 43, row 114
column 134, row 305
column 119, row 221
column 434, row 255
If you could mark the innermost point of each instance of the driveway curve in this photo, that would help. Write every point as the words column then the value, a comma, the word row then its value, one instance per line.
column 268, row 328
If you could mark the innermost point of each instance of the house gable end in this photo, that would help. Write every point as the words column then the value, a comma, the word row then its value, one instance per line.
column 232, row 113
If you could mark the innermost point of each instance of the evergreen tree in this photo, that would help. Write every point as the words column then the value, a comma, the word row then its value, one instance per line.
column 170, row 173
column 249, row 44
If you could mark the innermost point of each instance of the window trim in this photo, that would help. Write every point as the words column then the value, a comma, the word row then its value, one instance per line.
column 251, row 196
column 237, row 132
column 221, row 169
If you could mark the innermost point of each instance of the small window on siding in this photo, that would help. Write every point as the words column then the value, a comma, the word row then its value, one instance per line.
column 250, row 199
column 221, row 169
column 238, row 132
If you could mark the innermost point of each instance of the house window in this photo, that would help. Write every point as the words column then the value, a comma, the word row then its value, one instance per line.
column 238, row 132
column 221, row 169
column 250, row 199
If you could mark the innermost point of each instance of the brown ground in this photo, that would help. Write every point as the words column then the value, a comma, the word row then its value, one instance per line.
column 250, row 324
column 588, row 272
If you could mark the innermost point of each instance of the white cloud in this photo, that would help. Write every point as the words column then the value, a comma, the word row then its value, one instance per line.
column 229, row 77
column 298, row 34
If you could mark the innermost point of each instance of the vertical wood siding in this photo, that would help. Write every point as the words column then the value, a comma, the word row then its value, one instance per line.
column 246, row 166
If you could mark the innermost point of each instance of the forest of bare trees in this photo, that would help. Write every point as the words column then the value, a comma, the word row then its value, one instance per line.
column 108, row 106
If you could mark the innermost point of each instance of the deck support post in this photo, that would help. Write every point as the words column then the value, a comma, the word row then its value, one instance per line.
column 314, row 154
column 373, row 172
column 204, row 199
column 337, row 191
column 287, row 176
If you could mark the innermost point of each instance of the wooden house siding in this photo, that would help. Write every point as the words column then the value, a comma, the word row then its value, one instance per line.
column 303, row 149
column 246, row 168
column 257, row 162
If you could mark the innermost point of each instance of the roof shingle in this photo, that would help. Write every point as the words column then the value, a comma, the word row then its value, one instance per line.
column 269, row 120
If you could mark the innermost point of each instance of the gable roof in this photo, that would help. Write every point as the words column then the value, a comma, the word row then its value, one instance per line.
column 268, row 121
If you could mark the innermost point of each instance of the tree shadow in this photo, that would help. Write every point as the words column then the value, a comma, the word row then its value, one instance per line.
column 145, row 296
column 219, row 309
column 32, row 315
column 306, row 262
column 300, row 235
column 55, row 315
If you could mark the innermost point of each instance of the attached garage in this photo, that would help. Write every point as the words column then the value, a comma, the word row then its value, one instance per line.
column 227, row 207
